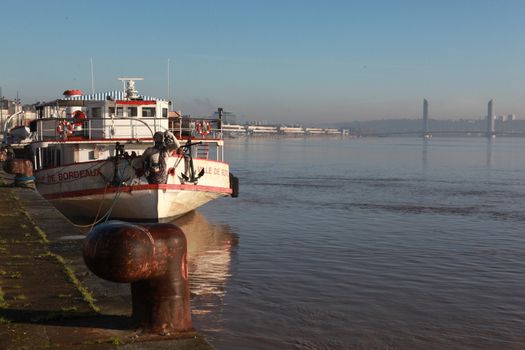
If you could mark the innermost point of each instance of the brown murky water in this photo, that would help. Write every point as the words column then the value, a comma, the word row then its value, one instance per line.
column 367, row 244
column 360, row 244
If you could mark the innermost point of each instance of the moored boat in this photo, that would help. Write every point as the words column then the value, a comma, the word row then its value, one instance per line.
column 120, row 155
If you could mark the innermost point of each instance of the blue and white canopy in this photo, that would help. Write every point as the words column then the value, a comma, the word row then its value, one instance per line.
column 115, row 95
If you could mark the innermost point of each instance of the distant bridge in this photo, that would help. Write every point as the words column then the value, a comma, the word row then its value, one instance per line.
column 426, row 132
column 443, row 133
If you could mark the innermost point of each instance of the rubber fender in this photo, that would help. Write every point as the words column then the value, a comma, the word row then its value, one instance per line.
column 234, row 185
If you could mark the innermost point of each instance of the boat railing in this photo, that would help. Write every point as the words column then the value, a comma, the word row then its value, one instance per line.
column 198, row 128
column 14, row 120
column 211, row 149
column 209, row 146
column 61, row 129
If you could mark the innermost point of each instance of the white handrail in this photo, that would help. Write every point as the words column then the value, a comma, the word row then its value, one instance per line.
column 7, row 121
column 138, row 120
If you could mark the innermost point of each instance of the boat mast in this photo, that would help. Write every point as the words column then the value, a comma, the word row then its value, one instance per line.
column 92, row 78
column 1, row 108
column 168, row 82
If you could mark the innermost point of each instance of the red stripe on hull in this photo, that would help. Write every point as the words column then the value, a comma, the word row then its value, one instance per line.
column 174, row 155
column 136, row 102
column 82, row 193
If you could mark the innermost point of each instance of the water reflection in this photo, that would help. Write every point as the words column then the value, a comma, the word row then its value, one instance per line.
column 489, row 152
column 425, row 153
column 210, row 248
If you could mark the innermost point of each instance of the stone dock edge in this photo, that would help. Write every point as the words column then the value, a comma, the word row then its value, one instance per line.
column 44, row 302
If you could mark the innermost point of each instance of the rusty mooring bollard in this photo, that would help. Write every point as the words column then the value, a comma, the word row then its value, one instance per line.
column 23, row 171
column 152, row 257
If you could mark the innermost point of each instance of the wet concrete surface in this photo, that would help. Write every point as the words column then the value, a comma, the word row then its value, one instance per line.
column 48, row 298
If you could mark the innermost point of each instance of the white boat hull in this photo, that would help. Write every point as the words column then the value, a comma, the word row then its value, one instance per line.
column 81, row 190
column 150, row 204
column 90, row 153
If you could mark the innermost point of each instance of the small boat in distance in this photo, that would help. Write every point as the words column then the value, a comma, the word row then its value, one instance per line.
column 120, row 155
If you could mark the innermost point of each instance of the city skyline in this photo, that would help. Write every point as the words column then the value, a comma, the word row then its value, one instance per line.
column 291, row 61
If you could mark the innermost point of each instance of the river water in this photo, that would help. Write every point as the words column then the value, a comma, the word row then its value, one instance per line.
column 372, row 243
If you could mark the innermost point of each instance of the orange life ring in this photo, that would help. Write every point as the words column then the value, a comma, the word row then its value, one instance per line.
column 203, row 128
column 79, row 116
column 65, row 128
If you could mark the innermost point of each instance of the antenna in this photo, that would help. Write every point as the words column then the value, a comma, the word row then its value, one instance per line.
column 168, row 79
column 92, row 78
column 129, row 87
column 1, row 108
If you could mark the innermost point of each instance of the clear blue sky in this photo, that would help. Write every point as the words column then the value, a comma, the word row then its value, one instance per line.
column 285, row 60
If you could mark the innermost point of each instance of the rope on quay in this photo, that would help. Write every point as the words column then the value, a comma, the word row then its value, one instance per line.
column 107, row 214
column 97, row 220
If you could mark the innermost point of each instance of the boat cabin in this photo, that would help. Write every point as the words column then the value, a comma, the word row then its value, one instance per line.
column 81, row 128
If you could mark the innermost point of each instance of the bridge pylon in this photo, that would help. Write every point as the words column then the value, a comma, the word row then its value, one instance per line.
column 426, row 133
column 491, row 132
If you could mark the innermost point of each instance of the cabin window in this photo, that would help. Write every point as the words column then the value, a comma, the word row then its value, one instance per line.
column 96, row 112
column 120, row 111
column 132, row 112
column 51, row 157
column 111, row 111
column 58, row 158
column 164, row 113
column 46, row 158
column 148, row 111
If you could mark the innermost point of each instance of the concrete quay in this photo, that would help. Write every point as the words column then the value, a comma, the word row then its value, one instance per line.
column 49, row 299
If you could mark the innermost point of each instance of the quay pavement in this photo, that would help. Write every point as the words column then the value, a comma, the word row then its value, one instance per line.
column 49, row 299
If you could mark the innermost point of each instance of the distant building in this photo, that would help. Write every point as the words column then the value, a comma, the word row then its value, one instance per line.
column 261, row 129
column 8, row 107
column 233, row 129
column 506, row 118
column 283, row 129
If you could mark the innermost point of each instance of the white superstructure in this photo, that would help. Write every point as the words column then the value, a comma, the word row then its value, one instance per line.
column 114, row 155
